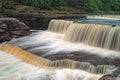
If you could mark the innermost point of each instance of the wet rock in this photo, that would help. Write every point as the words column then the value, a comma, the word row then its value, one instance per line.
column 110, row 77
column 84, row 57
column 0, row 22
column 22, row 26
column 2, row 26
column 117, row 72
column 14, row 24
column 91, row 58
column 11, row 27
column 19, row 33
column 4, row 36
column 41, row 20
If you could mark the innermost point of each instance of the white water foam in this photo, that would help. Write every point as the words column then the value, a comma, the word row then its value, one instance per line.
column 52, row 43
column 13, row 68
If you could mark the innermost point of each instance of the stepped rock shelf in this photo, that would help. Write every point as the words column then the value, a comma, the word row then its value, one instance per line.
column 11, row 28
column 92, row 49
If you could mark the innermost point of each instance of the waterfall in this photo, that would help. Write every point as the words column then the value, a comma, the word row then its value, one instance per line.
column 59, row 26
column 95, row 35
column 65, row 37
column 45, row 63
column 24, row 55
column 87, row 38
column 85, row 66
column 13, row 68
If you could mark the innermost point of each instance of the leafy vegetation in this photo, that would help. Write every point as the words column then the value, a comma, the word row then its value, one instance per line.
column 91, row 6
column 86, row 5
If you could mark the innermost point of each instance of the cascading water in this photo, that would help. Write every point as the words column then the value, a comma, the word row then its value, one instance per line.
column 12, row 68
column 64, row 37
column 19, row 70
column 95, row 35
column 42, row 62
column 48, row 43
column 59, row 26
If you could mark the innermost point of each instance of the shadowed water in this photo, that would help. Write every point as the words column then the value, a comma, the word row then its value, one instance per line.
column 102, row 19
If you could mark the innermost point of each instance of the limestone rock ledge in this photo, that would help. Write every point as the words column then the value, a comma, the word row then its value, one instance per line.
column 12, row 28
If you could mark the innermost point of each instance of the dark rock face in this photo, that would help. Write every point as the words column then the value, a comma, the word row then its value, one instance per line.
column 4, row 36
column 11, row 27
column 13, row 24
column 40, row 20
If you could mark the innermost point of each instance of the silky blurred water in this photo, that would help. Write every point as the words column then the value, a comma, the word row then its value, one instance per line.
column 13, row 68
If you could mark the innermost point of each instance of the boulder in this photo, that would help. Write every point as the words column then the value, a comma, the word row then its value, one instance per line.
column 14, row 24
column 12, row 28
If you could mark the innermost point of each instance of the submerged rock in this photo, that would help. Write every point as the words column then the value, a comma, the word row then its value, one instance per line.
column 114, row 76
column 108, row 77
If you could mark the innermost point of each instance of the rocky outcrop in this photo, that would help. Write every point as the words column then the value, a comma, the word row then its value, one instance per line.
column 41, row 20
column 11, row 28
column 4, row 36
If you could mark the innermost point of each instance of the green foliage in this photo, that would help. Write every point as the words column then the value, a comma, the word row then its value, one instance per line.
column 38, row 3
column 115, row 5
column 91, row 5
column 86, row 5
column 62, row 3
column 72, row 2
column 58, row 3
